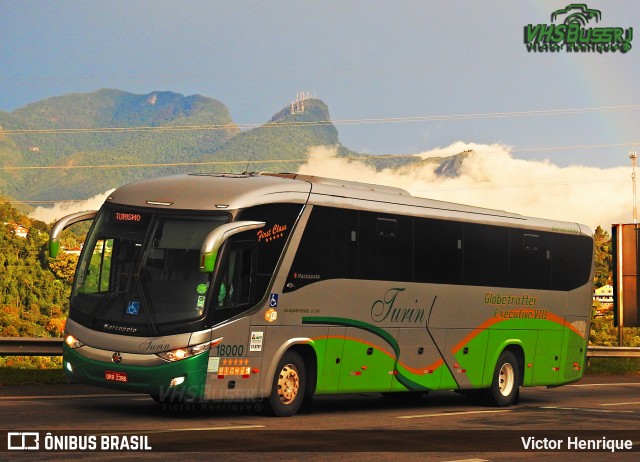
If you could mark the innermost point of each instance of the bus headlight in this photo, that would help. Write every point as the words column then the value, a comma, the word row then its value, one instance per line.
column 187, row 352
column 72, row 341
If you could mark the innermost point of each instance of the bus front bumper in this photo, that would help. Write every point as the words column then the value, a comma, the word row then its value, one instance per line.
column 174, row 381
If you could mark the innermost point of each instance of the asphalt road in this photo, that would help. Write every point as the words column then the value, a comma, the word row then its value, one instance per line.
column 557, row 424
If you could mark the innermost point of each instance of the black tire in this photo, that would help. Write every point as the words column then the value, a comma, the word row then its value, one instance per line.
column 289, row 386
column 505, row 386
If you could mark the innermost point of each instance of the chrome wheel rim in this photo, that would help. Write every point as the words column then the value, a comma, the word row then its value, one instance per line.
column 288, row 384
column 506, row 379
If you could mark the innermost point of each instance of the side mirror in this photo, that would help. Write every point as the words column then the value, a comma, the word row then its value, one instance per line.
column 214, row 240
column 65, row 222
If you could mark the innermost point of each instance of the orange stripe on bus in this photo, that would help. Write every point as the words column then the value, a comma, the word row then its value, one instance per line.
column 417, row 371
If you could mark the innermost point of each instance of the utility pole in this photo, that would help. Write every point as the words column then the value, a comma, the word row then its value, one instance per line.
column 633, row 156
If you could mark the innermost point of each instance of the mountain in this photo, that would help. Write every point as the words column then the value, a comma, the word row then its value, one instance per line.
column 106, row 127
column 89, row 143
column 287, row 136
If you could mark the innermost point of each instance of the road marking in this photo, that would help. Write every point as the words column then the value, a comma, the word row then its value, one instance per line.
column 583, row 409
column 193, row 429
column 468, row 460
column 629, row 384
column 446, row 414
column 100, row 395
column 619, row 404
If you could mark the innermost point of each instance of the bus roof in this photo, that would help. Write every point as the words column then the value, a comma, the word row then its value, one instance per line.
column 237, row 191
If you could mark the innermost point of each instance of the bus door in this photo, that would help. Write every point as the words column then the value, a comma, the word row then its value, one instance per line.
column 546, row 365
column 329, row 373
column 574, row 348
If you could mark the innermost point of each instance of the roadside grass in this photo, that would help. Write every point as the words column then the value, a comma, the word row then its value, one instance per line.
column 17, row 376
column 613, row 366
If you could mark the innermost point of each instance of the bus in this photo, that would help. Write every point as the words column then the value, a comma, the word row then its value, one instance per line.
column 279, row 287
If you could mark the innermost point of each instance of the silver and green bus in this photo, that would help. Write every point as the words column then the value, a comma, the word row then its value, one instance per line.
column 279, row 287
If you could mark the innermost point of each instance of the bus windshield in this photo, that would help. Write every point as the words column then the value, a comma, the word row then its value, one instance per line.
column 140, row 270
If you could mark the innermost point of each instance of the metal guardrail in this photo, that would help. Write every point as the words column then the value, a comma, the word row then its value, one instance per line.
column 25, row 346
column 613, row 352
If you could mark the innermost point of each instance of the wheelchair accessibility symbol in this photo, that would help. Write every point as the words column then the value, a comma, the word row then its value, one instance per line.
column 273, row 300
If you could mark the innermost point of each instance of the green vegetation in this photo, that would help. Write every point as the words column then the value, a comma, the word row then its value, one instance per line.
column 613, row 366
column 147, row 136
column 20, row 376
column 34, row 290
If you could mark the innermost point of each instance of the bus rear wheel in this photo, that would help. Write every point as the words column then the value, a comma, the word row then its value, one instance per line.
column 289, row 385
column 506, row 381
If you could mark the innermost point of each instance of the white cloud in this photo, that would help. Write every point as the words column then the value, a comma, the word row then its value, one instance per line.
column 491, row 177
column 60, row 209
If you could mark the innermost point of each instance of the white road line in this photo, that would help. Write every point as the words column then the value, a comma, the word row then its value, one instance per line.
column 467, row 460
column 446, row 414
column 628, row 384
column 619, row 404
column 101, row 395
column 583, row 409
column 193, row 429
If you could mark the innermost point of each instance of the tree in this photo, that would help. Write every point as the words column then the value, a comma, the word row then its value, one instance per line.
column 603, row 258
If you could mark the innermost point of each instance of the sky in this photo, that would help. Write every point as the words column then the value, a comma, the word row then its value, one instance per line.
column 404, row 77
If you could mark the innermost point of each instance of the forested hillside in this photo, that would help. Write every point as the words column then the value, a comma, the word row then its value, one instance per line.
column 127, row 137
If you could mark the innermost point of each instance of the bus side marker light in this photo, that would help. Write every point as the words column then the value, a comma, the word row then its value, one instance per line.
column 428, row 371
column 176, row 381
column 529, row 365
column 364, row 368
column 555, row 369
column 255, row 370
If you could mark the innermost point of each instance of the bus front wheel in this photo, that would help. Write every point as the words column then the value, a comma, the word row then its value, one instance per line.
column 289, row 385
column 506, row 381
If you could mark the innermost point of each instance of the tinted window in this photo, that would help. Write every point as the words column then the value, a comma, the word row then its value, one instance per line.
column 486, row 255
column 438, row 251
column 572, row 256
column 328, row 248
column 530, row 259
column 385, row 247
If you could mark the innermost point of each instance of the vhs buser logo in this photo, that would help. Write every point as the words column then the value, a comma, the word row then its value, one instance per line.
column 31, row 441
column 572, row 34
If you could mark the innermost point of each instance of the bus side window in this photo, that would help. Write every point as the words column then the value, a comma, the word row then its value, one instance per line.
column 438, row 251
column 237, row 278
column 385, row 250
column 530, row 260
column 328, row 249
column 486, row 255
column 572, row 256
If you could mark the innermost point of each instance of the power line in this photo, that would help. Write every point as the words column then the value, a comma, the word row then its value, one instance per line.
column 363, row 121
column 140, row 165
column 276, row 161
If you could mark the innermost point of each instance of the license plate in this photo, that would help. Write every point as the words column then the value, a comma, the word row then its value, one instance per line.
column 115, row 376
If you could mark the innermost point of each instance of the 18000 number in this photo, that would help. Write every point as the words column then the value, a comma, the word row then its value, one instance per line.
column 230, row 350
